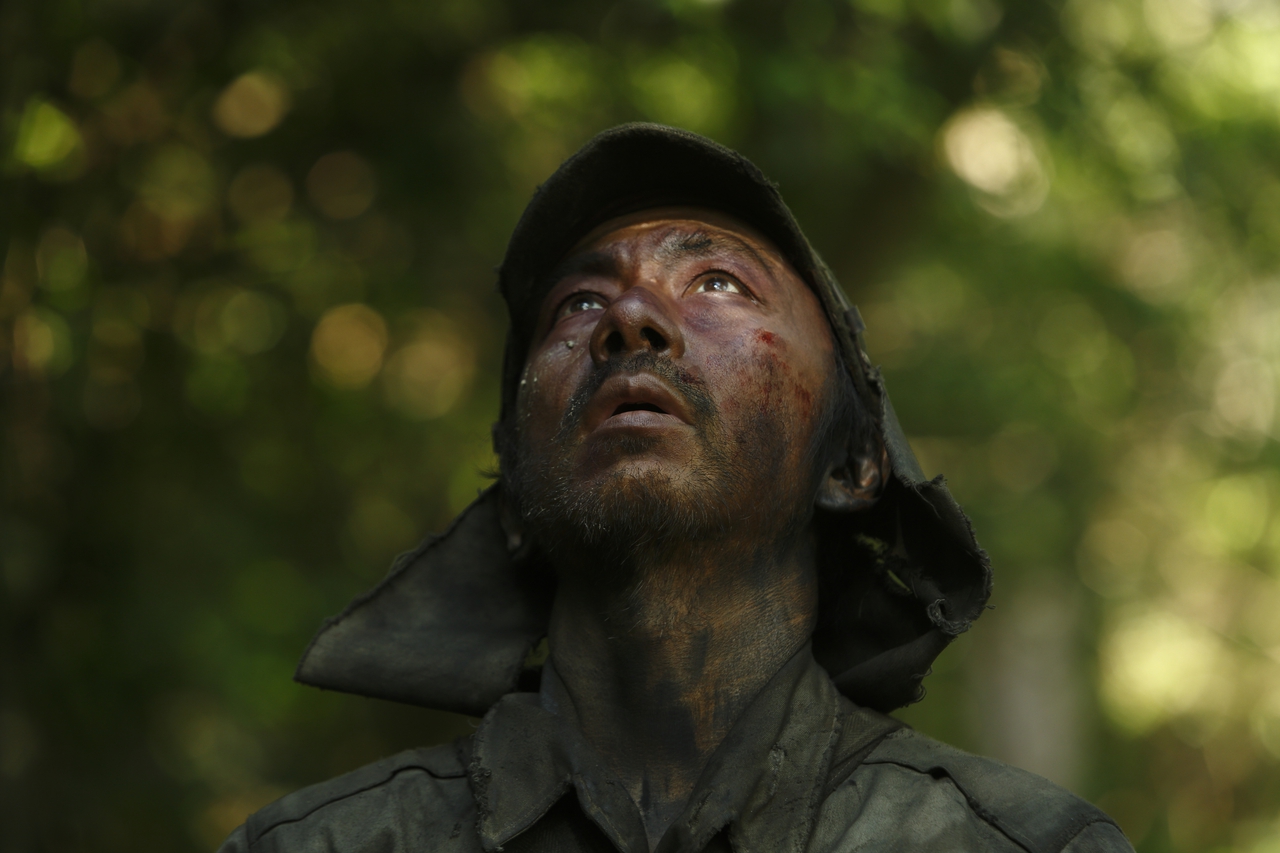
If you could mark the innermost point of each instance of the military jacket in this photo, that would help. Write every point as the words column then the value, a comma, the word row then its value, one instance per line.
column 803, row 769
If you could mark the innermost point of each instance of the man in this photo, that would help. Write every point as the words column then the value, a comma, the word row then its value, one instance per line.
column 708, row 509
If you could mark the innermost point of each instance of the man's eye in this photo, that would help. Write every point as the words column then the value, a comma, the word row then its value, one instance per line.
column 580, row 302
column 717, row 284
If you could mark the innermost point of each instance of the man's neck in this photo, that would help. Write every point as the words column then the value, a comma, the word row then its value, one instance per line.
column 658, row 669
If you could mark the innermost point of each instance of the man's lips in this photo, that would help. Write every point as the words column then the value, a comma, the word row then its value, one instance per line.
column 638, row 399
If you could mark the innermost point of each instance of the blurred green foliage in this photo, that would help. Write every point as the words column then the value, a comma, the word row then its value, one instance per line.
column 249, row 348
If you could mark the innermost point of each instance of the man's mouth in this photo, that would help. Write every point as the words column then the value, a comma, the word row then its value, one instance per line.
column 637, row 400
column 638, row 407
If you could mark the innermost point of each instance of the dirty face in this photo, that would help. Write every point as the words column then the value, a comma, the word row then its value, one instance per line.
column 676, row 385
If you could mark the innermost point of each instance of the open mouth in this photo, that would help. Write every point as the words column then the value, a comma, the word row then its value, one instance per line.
column 638, row 407
column 639, row 401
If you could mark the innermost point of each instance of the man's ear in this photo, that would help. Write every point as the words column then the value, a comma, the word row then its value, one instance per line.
column 858, row 482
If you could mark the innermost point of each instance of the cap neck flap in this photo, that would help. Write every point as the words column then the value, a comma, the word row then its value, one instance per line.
column 449, row 627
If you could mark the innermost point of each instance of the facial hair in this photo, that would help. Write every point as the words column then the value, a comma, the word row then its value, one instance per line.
column 625, row 513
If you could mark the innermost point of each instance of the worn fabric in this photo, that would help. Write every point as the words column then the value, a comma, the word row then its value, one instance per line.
column 803, row 769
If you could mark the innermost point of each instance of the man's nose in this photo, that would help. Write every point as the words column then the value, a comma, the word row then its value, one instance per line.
column 635, row 321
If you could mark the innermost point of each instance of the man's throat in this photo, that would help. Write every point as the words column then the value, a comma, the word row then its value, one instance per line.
column 658, row 666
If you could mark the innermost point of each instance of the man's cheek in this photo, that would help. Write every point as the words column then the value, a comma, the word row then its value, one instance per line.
column 539, row 395
column 785, row 388
column 543, row 416
column 773, row 374
column 771, row 407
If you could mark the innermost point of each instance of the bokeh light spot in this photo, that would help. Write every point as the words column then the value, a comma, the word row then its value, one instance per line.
column 341, row 185
column 251, row 322
column 1155, row 264
column 230, row 319
column 1244, row 395
column 539, row 80
column 1100, row 27
column 1236, row 512
column 674, row 90
column 427, row 376
column 177, row 183
column 260, row 192
column 348, row 344
column 47, row 137
column 1157, row 665
column 42, row 343
column 1143, row 144
column 278, row 246
column 251, row 105
column 1179, row 23
column 995, row 156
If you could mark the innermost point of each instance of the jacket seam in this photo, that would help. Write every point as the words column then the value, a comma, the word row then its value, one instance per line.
column 346, row 795
column 987, row 816
column 850, row 765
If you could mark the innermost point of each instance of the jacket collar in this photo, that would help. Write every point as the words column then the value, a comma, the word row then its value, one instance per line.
column 764, row 782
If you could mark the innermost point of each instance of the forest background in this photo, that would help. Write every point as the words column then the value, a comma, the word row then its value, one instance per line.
column 249, row 350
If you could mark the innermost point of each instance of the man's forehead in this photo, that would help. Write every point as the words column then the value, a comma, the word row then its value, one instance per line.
column 670, row 228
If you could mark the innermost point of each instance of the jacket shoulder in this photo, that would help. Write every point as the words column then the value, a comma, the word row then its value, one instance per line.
column 377, row 781
column 1029, row 810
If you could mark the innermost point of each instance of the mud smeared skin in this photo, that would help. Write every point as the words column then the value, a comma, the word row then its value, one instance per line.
column 666, row 466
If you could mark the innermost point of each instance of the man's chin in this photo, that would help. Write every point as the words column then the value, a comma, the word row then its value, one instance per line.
column 623, row 474
column 638, row 505
column 627, row 453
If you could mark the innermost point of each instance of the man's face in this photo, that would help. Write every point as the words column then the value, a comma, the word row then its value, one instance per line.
column 674, row 388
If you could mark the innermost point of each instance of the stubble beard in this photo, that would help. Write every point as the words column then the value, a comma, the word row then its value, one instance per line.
column 630, row 517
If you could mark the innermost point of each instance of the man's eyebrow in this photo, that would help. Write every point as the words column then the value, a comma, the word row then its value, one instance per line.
column 705, row 244
column 584, row 263
column 675, row 246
